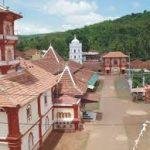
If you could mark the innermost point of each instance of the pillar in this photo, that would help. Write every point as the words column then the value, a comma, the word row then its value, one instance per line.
column 14, row 135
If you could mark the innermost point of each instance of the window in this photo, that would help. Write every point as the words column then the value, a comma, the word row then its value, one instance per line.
column 29, row 113
column 74, row 57
column 47, row 123
column 74, row 51
column 45, row 100
column 30, row 141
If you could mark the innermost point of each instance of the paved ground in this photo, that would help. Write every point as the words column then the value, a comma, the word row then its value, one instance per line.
column 119, row 127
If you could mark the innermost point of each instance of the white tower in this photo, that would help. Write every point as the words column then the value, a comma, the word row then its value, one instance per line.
column 75, row 50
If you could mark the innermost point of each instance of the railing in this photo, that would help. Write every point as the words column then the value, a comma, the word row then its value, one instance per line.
column 8, row 37
column 11, row 37
column 11, row 62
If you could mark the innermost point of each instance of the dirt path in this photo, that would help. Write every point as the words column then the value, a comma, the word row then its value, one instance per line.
column 111, row 133
column 119, row 127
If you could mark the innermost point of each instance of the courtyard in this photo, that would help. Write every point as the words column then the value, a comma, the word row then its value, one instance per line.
column 117, row 130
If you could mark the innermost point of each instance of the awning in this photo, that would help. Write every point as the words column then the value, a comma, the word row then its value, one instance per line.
column 92, row 81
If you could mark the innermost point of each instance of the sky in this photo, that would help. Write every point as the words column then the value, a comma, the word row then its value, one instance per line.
column 45, row 16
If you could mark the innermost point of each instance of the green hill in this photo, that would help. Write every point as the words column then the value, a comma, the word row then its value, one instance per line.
column 130, row 33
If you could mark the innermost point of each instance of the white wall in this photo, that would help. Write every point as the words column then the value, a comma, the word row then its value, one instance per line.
column 45, row 111
column 75, row 52
column 3, row 125
column 4, row 146
column 45, row 108
column 35, row 132
column 24, row 123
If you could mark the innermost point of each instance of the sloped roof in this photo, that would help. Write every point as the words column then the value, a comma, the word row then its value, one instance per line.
column 53, row 55
column 51, row 61
column 21, row 88
column 138, row 64
column 69, row 84
column 49, row 65
column 65, row 99
column 74, row 66
column 18, row 53
column 117, row 54
column 83, row 74
column 6, row 10
column 92, row 65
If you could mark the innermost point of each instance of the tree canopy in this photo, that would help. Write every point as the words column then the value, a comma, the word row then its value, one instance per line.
column 130, row 33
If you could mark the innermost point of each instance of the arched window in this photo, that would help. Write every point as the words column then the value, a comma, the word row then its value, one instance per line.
column 30, row 141
column 29, row 113
column 74, row 51
column 47, row 123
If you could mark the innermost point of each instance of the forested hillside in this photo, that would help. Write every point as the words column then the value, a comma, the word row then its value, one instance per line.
column 130, row 33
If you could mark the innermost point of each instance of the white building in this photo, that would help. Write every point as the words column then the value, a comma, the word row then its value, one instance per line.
column 75, row 50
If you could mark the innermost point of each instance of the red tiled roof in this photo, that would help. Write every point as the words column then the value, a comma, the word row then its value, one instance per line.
column 30, row 52
column 74, row 66
column 138, row 64
column 92, row 65
column 18, row 53
column 5, row 10
column 69, row 85
column 53, row 55
column 65, row 99
column 25, row 86
column 51, row 62
column 49, row 65
column 115, row 55
column 83, row 74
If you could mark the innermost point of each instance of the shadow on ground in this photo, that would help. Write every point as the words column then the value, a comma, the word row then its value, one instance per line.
column 52, row 140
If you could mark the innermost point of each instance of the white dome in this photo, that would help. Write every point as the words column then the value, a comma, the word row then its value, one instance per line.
column 75, row 40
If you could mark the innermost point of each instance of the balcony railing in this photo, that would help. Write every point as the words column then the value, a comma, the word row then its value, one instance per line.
column 8, row 37
column 11, row 62
column 11, row 37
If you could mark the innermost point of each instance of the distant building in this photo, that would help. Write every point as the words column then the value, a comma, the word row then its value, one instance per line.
column 115, row 62
column 91, row 56
column 75, row 50
column 90, row 60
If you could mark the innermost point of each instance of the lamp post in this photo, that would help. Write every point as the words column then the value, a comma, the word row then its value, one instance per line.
column 130, row 78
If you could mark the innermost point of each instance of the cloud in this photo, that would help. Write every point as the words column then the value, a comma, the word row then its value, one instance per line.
column 136, row 4
column 30, row 28
column 112, row 8
column 85, row 19
column 65, row 7
column 75, row 13
column 70, row 14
